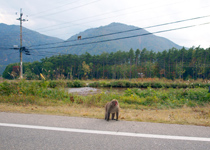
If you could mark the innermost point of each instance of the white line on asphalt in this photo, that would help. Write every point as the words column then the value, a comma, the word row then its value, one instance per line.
column 170, row 137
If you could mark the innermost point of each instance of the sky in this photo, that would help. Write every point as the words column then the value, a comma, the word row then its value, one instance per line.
column 65, row 18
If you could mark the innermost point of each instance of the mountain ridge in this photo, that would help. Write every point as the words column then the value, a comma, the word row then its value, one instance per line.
column 150, row 41
column 9, row 35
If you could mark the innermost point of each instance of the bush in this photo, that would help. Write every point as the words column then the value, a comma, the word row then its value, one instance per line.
column 5, row 88
column 52, row 84
column 70, row 84
column 95, row 84
column 78, row 83
column 156, row 85
column 129, row 84
column 169, row 97
column 159, row 98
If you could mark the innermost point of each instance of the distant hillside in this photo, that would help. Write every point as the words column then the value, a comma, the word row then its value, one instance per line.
column 150, row 42
column 10, row 35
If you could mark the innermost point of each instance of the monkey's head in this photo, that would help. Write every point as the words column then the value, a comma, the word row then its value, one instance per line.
column 114, row 102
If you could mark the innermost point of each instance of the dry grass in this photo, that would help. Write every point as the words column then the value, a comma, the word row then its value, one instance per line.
column 193, row 116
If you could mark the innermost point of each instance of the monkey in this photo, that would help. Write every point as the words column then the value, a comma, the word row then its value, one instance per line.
column 79, row 37
column 112, row 108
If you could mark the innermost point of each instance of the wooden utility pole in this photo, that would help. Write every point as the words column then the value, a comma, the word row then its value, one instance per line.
column 21, row 44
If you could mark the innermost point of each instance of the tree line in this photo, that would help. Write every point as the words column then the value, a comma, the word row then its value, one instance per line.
column 192, row 63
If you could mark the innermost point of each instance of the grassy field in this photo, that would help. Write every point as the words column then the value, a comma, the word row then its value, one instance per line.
column 185, row 115
column 163, row 105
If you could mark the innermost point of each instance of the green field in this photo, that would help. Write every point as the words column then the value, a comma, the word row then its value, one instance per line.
column 137, row 103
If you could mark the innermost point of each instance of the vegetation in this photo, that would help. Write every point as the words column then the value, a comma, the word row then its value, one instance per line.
column 172, row 64
column 170, row 105
column 130, row 98
column 153, row 83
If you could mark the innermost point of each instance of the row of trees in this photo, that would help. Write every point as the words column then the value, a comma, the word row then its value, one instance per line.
column 183, row 63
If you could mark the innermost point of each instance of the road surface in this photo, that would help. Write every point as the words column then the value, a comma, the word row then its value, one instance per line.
column 46, row 132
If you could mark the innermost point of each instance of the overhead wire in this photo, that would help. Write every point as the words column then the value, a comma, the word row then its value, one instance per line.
column 53, row 8
column 125, row 31
column 101, row 19
column 114, row 39
column 77, row 24
column 89, row 17
column 143, row 27
column 73, row 8
column 63, row 53
column 121, row 31
column 67, row 10
column 64, row 10
column 97, row 16
column 6, row 48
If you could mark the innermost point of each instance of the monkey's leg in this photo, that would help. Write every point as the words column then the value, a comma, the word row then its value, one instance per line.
column 117, row 114
column 108, row 116
column 105, row 116
column 113, row 114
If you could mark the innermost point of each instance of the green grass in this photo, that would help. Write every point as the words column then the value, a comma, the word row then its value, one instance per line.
column 168, row 105
column 162, row 98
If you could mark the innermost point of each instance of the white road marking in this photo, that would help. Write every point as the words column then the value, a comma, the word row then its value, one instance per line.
column 170, row 137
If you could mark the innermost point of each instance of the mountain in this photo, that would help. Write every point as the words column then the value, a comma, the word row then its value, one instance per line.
column 92, row 41
column 96, row 46
column 10, row 36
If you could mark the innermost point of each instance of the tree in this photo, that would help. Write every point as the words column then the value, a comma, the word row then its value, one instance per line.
column 179, row 70
column 48, row 69
column 29, row 75
column 103, row 58
column 8, row 70
column 86, row 69
column 137, row 54
column 173, row 63
column 131, row 56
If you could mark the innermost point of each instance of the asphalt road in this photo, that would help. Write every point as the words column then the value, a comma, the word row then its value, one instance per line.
column 44, row 132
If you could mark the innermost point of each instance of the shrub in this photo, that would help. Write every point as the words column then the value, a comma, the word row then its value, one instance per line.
column 70, row 84
column 5, row 88
column 95, row 84
column 78, row 83
column 170, row 97
column 52, row 84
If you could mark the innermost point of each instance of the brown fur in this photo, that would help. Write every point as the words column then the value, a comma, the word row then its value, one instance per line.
column 79, row 37
column 112, row 108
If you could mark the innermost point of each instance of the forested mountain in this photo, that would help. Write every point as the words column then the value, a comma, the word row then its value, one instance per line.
column 10, row 36
column 172, row 64
column 94, row 41
column 97, row 46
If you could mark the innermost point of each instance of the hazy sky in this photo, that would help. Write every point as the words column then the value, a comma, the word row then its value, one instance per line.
column 64, row 18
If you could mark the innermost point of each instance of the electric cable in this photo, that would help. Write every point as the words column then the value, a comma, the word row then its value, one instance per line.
column 73, row 8
column 114, row 39
column 53, row 8
column 100, row 15
column 125, row 31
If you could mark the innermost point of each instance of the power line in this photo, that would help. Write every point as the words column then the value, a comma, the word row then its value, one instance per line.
column 125, row 37
column 126, row 31
column 6, row 49
column 102, row 15
column 93, row 20
column 54, row 8
column 83, row 19
column 73, row 8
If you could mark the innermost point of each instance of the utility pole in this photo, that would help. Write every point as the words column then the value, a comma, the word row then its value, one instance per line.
column 21, row 44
